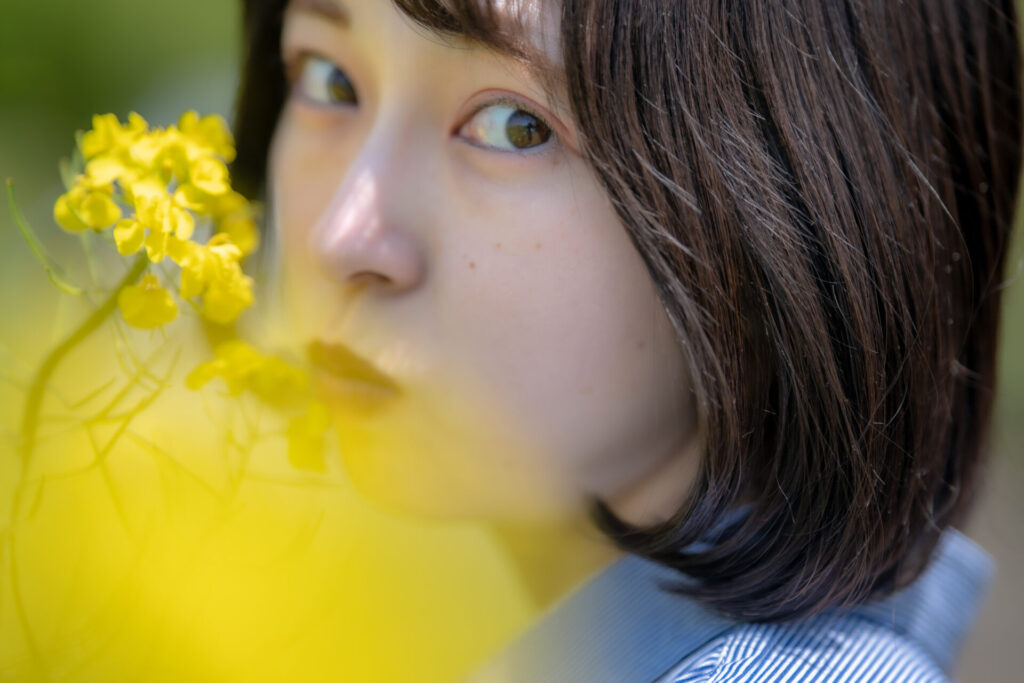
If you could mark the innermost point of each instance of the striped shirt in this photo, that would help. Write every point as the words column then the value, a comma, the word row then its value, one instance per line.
column 621, row 627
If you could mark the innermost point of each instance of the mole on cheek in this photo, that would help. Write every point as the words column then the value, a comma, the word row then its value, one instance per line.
column 537, row 245
column 472, row 264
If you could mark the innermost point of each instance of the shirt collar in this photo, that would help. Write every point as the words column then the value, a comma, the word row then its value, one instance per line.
column 620, row 625
column 939, row 609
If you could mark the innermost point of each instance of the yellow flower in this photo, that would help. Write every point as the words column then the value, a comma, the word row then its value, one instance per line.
column 163, row 176
column 163, row 215
column 108, row 135
column 235, row 361
column 241, row 229
column 213, row 271
column 140, row 186
column 164, row 244
column 190, row 197
column 209, row 175
column 107, row 147
column 203, row 264
column 235, row 218
column 197, row 270
column 81, row 208
column 279, row 383
column 105, row 169
column 227, row 204
column 204, row 183
column 65, row 216
column 129, row 235
column 232, row 212
column 243, row 368
column 169, row 224
column 227, row 297
column 206, row 136
column 98, row 210
column 149, row 151
column 147, row 305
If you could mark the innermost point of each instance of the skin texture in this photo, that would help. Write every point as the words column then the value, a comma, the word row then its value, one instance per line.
column 497, row 287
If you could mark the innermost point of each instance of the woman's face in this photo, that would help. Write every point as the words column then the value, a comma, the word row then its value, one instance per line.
column 434, row 215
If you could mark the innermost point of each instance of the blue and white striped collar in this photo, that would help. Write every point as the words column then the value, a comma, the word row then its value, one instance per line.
column 621, row 626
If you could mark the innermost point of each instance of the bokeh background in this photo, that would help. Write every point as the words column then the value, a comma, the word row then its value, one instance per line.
column 63, row 60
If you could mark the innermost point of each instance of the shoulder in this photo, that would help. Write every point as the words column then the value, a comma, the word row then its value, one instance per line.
column 846, row 648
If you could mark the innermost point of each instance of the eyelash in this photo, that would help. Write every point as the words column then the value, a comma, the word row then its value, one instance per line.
column 294, row 64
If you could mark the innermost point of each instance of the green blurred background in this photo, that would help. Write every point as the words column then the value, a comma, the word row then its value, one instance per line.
column 63, row 60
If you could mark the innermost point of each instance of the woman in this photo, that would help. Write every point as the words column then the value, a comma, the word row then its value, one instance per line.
column 722, row 277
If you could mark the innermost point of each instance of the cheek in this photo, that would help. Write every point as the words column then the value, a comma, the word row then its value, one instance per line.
column 302, row 181
column 565, row 325
column 302, row 178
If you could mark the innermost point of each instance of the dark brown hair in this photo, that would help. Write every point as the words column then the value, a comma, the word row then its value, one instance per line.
column 823, row 193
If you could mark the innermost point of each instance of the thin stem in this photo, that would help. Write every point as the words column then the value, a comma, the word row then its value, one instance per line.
column 29, row 425
column 34, row 400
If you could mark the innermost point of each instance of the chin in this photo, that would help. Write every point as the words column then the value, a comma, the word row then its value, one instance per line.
column 452, row 483
column 400, row 467
column 430, row 459
column 382, row 480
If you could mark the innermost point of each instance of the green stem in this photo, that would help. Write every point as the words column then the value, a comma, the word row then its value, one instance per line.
column 37, row 248
column 34, row 400
column 30, row 422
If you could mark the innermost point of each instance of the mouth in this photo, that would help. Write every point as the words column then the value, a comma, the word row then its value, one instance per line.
column 346, row 378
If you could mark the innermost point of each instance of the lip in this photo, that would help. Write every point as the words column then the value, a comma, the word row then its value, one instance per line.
column 348, row 378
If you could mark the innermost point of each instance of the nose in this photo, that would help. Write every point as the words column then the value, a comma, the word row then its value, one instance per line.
column 358, row 238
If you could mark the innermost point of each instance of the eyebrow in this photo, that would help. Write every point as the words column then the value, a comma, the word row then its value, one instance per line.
column 330, row 10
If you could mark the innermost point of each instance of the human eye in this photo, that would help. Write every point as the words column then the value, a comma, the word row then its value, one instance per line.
column 506, row 125
column 317, row 79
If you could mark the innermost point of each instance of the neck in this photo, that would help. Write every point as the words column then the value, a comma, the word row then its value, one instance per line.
column 553, row 557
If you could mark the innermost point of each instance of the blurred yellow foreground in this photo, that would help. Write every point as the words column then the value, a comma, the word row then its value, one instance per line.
column 162, row 535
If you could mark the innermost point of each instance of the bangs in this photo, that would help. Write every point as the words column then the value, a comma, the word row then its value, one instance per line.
column 504, row 26
column 494, row 23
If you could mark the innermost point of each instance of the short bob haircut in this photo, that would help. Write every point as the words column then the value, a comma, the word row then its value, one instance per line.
column 823, row 193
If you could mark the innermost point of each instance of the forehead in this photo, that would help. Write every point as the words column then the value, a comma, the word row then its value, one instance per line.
column 527, row 30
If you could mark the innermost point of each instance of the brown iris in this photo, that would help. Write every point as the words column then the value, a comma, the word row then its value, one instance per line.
column 526, row 130
column 340, row 87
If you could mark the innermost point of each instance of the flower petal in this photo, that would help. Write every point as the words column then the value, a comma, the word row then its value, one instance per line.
column 226, row 298
column 65, row 216
column 241, row 230
column 129, row 235
column 98, row 210
column 105, row 169
column 210, row 176
column 181, row 222
column 156, row 245
column 147, row 305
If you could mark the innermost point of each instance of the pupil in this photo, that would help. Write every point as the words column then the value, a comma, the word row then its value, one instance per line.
column 526, row 130
column 340, row 88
